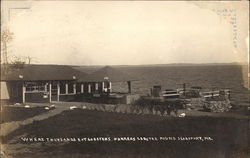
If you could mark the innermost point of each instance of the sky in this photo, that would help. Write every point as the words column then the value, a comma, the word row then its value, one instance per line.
column 126, row 32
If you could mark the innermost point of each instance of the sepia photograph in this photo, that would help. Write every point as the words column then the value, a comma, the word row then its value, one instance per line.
column 124, row 79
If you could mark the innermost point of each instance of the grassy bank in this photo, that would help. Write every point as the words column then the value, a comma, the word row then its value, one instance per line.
column 230, row 136
column 9, row 113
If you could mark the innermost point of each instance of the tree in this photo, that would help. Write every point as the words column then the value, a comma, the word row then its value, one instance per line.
column 16, row 62
column 6, row 38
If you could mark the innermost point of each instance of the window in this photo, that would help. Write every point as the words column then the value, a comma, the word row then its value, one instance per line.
column 35, row 87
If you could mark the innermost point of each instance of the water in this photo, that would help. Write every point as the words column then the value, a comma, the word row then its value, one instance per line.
column 171, row 77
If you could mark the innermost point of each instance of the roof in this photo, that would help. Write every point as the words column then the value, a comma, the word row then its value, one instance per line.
column 107, row 73
column 42, row 73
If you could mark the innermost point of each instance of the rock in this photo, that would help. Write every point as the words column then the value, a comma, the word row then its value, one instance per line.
column 2, row 153
column 182, row 115
column 72, row 107
column 52, row 106
column 26, row 106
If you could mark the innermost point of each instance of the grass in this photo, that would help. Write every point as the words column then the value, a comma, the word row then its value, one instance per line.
column 9, row 114
column 230, row 136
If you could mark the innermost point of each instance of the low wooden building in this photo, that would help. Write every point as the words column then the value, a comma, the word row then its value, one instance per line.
column 97, row 86
column 40, row 83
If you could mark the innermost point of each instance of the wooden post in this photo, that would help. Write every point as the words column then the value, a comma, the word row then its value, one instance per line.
column 58, row 91
column 129, row 86
column 66, row 88
column 102, row 86
column 184, row 89
column 110, row 87
column 89, row 88
column 82, row 88
column 24, row 89
column 45, row 87
column 96, row 86
column 50, row 92
column 74, row 88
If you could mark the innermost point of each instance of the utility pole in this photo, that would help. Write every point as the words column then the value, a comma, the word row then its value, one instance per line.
column 184, row 88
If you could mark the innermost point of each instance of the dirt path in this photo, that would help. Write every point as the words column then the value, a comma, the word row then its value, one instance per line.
column 6, row 128
column 9, row 127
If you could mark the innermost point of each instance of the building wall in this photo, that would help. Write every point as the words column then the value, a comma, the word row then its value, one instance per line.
column 71, row 97
column 105, row 99
column 5, row 97
column 130, row 98
column 38, row 97
column 11, row 92
column 4, row 91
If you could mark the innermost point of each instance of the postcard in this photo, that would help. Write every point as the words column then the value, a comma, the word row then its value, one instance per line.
column 125, row 79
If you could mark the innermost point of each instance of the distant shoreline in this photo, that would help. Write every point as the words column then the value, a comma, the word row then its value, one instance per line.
column 154, row 65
